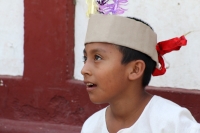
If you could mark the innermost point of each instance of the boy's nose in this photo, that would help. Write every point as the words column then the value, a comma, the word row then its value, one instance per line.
column 85, row 70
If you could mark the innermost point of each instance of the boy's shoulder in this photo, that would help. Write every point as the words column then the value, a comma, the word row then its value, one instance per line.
column 161, row 108
column 164, row 106
column 167, row 116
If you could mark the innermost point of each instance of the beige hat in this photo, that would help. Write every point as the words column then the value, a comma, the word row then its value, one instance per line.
column 122, row 31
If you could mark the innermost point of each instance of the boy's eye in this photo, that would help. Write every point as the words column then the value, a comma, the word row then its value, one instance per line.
column 97, row 57
column 84, row 58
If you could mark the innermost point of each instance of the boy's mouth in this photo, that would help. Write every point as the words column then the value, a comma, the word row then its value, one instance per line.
column 89, row 85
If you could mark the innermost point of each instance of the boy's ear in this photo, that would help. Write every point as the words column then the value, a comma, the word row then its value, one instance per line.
column 136, row 69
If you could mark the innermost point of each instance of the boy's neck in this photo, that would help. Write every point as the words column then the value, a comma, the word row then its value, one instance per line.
column 126, row 107
column 125, row 112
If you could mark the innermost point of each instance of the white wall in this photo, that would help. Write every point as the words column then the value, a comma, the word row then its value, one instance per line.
column 168, row 19
column 11, row 37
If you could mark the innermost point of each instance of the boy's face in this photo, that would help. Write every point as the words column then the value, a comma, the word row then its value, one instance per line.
column 104, row 75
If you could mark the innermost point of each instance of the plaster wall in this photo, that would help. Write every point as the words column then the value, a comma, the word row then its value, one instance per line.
column 168, row 19
column 11, row 37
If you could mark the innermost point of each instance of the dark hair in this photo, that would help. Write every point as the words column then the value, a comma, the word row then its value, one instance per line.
column 131, row 55
column 139, row 20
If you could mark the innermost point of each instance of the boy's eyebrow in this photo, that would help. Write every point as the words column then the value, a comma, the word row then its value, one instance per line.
column 94, row 50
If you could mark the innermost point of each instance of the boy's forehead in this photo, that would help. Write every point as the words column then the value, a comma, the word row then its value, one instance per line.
column 122, row 31
column 99, row 47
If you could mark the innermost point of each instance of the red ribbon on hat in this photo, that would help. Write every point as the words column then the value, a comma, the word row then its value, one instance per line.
column 166, row 47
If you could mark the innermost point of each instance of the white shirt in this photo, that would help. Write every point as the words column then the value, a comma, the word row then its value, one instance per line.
column 159, row 116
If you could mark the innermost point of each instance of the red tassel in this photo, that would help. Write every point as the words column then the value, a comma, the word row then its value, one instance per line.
column 165, row 47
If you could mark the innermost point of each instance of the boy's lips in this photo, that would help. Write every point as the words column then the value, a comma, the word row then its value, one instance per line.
column 90, row 86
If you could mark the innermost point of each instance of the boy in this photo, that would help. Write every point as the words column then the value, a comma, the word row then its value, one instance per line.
column 120, row 55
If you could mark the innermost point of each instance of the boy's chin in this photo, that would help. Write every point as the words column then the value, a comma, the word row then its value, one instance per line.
column 97, row 101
